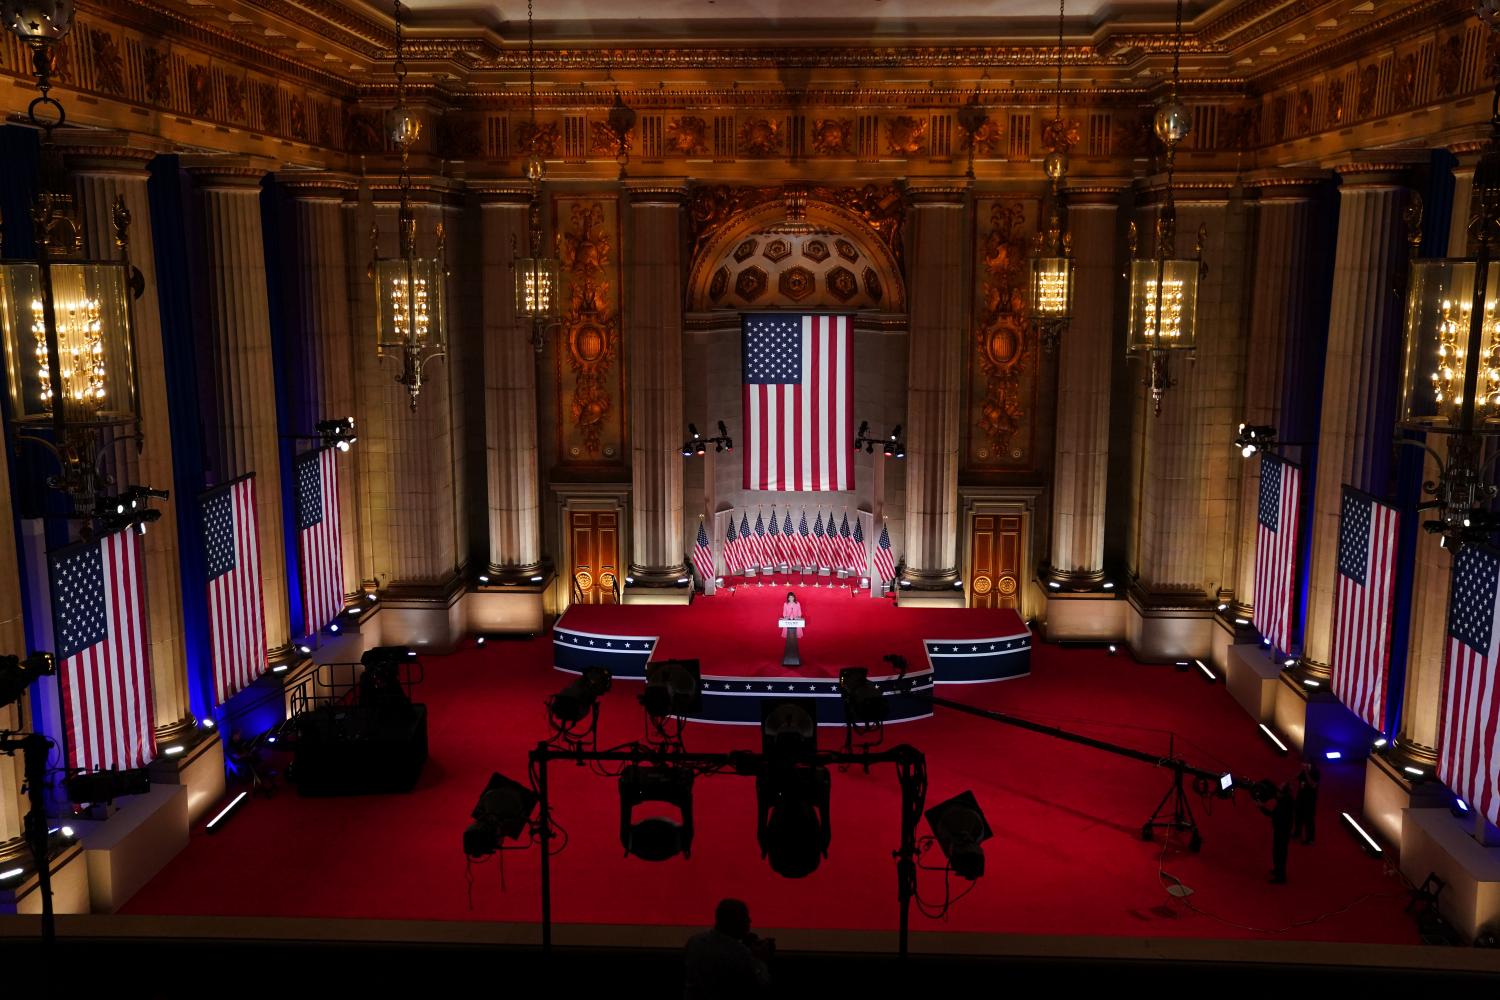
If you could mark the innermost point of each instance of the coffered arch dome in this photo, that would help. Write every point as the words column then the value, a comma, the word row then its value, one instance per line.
column 828, row 258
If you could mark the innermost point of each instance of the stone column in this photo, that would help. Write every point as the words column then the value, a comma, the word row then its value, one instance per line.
column 1080, row 478
column 243, row 376
column 510, row 401
column 325, row 341
column 653, row 333
column 1282, row 286
column 1420, row 714
column 1354, row 437
column 938, row 262
column 106, row 166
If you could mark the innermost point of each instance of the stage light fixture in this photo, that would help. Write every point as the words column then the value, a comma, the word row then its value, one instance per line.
column 1253, row 438
column 1206, row 671
column 673, row 687
column 281, row 668
column 1275, row 740
column 1333, row 755
column 959, row 827
column 106, row 786
column 1223, row 607
column 16, row 674
column 793, row 823
column 11, row 873
column 1113, row 649
column 575, row 702
column 1369, row 842
column 503, row 812
column 173, row 751
column 1109, row 585
column 656, row 838
column 484, row 578
column 789, row 729
column 1461, row 804
column 1380, row 742
column 863, row 703
column 213, row 824
column 479, row 641
column 1415, row 772
column 304, row 648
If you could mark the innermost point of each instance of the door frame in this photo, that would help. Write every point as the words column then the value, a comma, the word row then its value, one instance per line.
column 991, row 500
column 598, row 498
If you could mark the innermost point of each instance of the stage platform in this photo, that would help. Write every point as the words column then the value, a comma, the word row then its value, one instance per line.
column 733, row 636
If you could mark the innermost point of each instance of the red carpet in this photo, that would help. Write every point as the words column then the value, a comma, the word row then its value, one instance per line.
column 1066, row 857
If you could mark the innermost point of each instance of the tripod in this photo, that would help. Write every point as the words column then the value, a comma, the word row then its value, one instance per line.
column 1181, row 815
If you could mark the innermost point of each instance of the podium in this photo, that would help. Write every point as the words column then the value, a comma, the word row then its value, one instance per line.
column 793, row 626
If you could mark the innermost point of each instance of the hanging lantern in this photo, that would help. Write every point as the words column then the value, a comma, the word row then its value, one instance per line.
column 536, row 287
column 536, row 273
column 37, row 22
column 1052, row 252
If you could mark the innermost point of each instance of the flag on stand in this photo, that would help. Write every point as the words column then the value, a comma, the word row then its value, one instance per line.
column 731, row 550
column 319, row 543
column 1362, row 606
column 703, row 556
column 804, row 543
column 885, row 562
column 773, row 541
column 747, row 544
column 237, row 619
column 1471, row 705
column 1276, row 549
column 798, row 402
column 846, row 545
column 859, row 558
column 103, row 652
column 762, row 551
column 788, row 540
column 820, row 544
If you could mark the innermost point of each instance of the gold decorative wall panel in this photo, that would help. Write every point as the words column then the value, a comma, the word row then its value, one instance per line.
column 1003, row 354
column 586, row 348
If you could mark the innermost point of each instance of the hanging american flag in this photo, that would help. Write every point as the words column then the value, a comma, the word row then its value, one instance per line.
column 237, row 621
column 1471, row 705
column 703, row 556
column 319, row 542
column 804, row 542
column 885, row 563
column 104, row 673
column 1276, row 549
column 1362, row 605
column 819, row 544
column 799, row 402
column 773, row 541
column 859, row 560
column 788, row 540
column 731, row 549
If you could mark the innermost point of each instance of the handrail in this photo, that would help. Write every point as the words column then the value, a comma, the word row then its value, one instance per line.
column 338, row 683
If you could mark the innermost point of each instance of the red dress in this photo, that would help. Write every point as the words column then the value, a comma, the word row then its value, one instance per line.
column 791, row 609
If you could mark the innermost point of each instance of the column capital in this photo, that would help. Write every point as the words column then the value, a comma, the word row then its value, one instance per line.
column 1094, row 192
column 656, row 190
column 1285, row 185
column 227, row 172
column 1377, row 168
column 109, row 151
column 1192, row 186
column 425, row 190
column 512, row 191
column 317, row 185
column 938, row 190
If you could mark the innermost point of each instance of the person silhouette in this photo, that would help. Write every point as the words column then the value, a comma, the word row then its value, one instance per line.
column 727, row 961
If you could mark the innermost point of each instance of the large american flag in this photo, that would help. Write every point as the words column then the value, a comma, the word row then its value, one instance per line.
column 319, row 542
column 1471, row 705
column 885, row 563
column 703, row 556
column 237, row 621
column 1276, row 549
column 799, row 402
column 104, row 673
column 1362, row 605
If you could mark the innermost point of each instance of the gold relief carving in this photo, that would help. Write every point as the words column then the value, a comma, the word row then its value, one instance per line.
column 585, row 580
column 1241, row 129
column 362, row 133
column 234, row 100
column 987, row 138
column 607, row 580
column 906, row 135
column 710, row 207
column 879, row 205
column 1335, row 102
column 1369, row 82
column 982, row 584
column 832, row 136
column 1007, row 586
column 1304, row 113
column 1279, row 112
column 297, row 118
column 1133, row 135
column 760, row 137
column 604, row 142
column 547, row 138
column 1404, row 82
column 270, row 110
column 1003, row 351
column 1060, row 135
column 155, row 67
column 109, row 72
column 1450, row 56
column 687, row 136
column 200, row 88
column 591, row 331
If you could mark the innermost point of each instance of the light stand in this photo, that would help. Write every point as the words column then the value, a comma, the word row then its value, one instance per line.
column 33, row 750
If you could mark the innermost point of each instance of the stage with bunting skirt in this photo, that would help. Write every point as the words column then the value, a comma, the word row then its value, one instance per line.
column 734, row 637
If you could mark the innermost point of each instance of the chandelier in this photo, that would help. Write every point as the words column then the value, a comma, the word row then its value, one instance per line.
column 536, row 275
column 1163, row 313
column 1052, row 253
column 1451, row 378
column 410, row 289
column 67, row 323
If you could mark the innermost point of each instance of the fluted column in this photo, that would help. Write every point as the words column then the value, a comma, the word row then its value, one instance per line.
column 243, row 376
column 13, row 804
column 515, row 547
column 938, row 257
column 1080, row 476
column 101, row 174
column 653, row 333
column 1421, row 711
column 324, row 346
column 1281, row 291
column 1354, row 438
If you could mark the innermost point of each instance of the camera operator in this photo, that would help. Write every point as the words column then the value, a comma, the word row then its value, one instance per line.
column 728, row 961
column 1282, row 809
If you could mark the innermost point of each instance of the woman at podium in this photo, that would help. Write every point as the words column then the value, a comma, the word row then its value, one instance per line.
column 791, row 611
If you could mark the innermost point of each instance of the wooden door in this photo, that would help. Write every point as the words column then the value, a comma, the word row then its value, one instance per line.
column 595, row 546
column 995, row 570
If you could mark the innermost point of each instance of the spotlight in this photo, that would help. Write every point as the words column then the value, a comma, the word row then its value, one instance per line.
column 789, row 729
column 304, row 648
column 207, row 723
column 1223, row 607
column 372, row 597
column 863, row 702
column 960, row 828
column 1113, row 649
column 1460, row 805
column 16, row 674
column 1380, row 742
column 693, row 432
column 1054, row 585
column 333, row 627
column 792, row 822
column 213, row 824
column 1253, row 438
column 1109, row 585
column 1308, row 682
column 503, row 812
column 1275, row 740
column 673, row 687
column 656, row 838
column 1415, row 772
column 1370, row 845
column 1206, row 671
column 484, row 578
column 106, row 786
column 1333, row 755
column 479, row 641
column 575, row 702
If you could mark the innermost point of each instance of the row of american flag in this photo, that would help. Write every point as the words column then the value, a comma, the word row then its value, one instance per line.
column 101, row 629
column 1364, row 609
column 780, row 542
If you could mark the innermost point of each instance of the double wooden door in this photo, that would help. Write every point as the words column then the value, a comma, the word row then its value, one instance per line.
column 594, row 538
column 995, row 570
